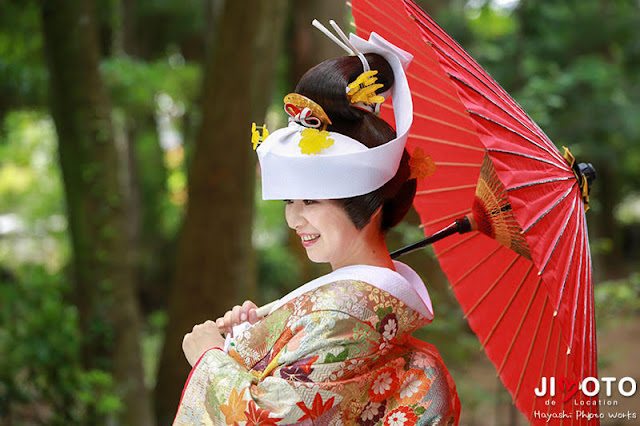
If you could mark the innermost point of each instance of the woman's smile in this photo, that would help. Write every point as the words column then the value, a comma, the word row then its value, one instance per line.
column 309, row 239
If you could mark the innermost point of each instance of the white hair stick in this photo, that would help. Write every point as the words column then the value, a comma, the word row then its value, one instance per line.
column 335, row 39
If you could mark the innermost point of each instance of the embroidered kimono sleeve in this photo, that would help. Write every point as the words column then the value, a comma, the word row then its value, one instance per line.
column 340, row 354
column 221, row 390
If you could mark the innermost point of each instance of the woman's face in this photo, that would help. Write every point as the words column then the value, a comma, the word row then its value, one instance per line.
column 326, row 231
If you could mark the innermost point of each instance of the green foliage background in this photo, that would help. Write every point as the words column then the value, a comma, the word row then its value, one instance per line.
column 573, row 65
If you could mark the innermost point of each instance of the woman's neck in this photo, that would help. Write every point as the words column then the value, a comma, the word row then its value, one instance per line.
column 370, row 250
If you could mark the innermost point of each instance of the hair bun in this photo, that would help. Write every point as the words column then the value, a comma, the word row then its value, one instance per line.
column 326, row 84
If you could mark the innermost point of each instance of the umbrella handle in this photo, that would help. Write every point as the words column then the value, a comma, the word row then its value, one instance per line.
column 460, row 226
column 263, row 311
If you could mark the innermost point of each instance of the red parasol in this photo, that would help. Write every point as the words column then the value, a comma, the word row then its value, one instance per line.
column 523, row 278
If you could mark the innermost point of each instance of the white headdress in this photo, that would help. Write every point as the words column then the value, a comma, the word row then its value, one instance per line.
column 305, row 162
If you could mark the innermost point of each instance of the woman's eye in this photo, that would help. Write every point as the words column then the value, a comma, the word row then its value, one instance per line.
column 287, row 201
column 307, row 202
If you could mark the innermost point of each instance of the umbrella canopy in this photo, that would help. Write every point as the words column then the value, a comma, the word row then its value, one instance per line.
column 523, row 277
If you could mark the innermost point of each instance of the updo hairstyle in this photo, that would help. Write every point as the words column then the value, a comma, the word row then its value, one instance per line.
column 326, row 85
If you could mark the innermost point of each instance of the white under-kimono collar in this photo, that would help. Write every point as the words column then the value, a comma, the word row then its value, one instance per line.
column 403, row 284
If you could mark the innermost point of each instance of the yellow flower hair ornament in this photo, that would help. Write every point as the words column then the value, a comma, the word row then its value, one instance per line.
column 313, row 141
column 363, row 89
column 256, row 137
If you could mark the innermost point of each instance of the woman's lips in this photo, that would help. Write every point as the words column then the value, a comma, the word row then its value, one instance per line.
column 308, row 239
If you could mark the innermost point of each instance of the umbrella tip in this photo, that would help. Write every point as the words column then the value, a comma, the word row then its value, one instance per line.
column 555, row 313
column 568, row 351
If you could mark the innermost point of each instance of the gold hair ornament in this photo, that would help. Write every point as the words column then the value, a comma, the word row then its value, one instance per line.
column 305, row 112
column 309, row 114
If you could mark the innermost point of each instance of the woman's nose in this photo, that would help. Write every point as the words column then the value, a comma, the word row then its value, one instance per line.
column 293, row 214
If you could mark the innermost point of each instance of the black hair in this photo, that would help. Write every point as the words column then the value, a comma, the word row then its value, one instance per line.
column 326, row 85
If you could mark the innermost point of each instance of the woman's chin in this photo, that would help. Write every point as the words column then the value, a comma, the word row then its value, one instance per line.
column 316, row 257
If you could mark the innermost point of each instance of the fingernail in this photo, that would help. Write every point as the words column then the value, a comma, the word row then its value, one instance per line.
column 253, row 316
column 243, row 317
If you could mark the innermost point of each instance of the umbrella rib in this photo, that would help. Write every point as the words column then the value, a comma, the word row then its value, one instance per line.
column 437, row 120
column 531, row 141
column 566, row 276
column 555, row 364
column 592, row 343
column 535, row 335
column 518, row 120
column 566, row 370
column 504, row 311
column 531, row 157
column 462, row 241
column 592, row 334
column 466, row 274
column 428, row 117
column 441, row 105
column 491, row 85
column 587, row 318
column 451, row 216
column 446, row 142
column 439, row 163
column 575, row 301
column 450, row 188
column 542, row 136
column 499, row 93
column 515, row 335
column 420, row 40
column 555, row 245
column 455, row 46
column 540, row 182
column 432, row 86
column 546, row 348
column 558, row 201
column 442, row 77
column 490, row 289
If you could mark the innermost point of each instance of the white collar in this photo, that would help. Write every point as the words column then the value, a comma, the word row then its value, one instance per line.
column 404, row 284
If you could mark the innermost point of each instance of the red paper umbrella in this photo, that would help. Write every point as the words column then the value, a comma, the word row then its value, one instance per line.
column 523, row 277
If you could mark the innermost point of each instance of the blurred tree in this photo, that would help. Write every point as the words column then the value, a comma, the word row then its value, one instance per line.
column 22, row 72
column 215, row 264
column 96, row 203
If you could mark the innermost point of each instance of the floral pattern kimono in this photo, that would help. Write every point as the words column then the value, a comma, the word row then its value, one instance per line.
column 336, row 352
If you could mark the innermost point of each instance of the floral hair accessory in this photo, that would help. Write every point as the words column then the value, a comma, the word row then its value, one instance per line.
column 256, row 137
column 363, row 89
column 313, row 141
column 307, row 161
column 305, row 112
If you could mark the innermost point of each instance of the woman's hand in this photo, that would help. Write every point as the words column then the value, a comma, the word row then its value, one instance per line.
column 239, row 314
column 203, row 337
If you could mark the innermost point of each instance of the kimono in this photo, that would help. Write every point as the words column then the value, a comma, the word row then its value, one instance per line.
column 337, row 351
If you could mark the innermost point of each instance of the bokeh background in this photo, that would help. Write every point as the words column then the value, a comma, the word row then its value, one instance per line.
column 129, row 209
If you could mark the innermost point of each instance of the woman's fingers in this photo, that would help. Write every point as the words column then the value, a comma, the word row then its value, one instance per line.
column 228, row 322
column 238, row 315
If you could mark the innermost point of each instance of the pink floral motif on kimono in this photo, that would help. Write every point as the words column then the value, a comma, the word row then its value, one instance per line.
column 338, row 354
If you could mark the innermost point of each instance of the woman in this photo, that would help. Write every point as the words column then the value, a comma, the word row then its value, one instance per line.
column 338, row 349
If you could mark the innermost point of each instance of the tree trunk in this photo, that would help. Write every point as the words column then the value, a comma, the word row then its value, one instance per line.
column 96, row 203
column 309, row 46
column 215, row 265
